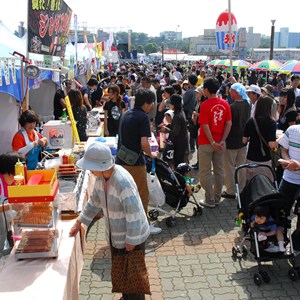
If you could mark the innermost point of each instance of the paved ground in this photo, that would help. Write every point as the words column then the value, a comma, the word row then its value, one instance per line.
column 191, row 261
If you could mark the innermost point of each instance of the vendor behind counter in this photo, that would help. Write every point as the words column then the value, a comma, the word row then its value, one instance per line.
column 27, row 140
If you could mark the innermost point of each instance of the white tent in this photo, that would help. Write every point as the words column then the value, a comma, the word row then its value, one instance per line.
column 9, row 42
column 41, row 100
column 9, row 114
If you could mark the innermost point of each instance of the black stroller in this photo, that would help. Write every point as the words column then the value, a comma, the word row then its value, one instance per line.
column 261, row 191
column 174, row 188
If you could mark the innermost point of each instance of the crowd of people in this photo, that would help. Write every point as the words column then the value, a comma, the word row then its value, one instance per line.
column 229, row 120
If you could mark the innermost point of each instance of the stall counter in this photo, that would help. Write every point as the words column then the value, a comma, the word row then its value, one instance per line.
column 36, row 279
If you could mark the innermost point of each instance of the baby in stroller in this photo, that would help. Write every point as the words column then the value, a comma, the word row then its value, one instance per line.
column 184, row 169
column 266, row 225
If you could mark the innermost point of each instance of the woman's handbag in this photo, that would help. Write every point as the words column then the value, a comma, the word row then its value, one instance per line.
column 168, row 152
column 275, row 153
column 128, row 272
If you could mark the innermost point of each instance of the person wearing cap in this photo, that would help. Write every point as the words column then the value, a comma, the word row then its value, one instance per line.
column 253, row 93
column 215, row 124
column 134, row 131
column 178, row 133
column 268, row 90
column 115, row 194
column 236, row 151
column 185, row 87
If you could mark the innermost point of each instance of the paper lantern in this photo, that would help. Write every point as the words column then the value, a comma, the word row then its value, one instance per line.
column 222, row 31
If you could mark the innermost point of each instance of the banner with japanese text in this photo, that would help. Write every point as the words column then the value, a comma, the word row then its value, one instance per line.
column 48, row 26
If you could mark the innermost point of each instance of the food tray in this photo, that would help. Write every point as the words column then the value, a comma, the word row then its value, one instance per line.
column 47, row 254
column 44, row 191
column 54, row 216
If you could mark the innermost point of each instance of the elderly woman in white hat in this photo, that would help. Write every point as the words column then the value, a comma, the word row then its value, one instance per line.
column 116, row 195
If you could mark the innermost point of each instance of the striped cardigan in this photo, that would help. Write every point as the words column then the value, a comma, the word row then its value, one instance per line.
column 126, row 219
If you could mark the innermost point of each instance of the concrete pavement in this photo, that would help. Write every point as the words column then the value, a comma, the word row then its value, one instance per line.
column 191, row 261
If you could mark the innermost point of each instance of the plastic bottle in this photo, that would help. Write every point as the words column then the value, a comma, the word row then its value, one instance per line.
column 19, row 169
column 64, row 116
column 71, row 159
column 65, row 159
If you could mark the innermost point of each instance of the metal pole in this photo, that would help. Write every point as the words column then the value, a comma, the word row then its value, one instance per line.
column 272, row 39
column 176, row 41
column 162, row 53
column 230, row 37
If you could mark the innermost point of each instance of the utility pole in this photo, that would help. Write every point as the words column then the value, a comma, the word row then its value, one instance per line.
column 272, row 39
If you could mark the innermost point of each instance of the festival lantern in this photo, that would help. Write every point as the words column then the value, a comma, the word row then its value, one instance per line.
column 223, row 35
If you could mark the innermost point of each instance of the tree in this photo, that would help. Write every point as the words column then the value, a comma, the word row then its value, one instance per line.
column 150, row 48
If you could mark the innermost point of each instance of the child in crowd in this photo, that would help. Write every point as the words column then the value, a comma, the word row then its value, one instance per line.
column 266, row 225
column 184, row 169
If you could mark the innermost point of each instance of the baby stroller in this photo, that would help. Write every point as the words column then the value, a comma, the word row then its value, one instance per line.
column 261, row 191
column 174, row 188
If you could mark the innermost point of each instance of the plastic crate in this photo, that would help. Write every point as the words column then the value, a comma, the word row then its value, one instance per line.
column 45, row 190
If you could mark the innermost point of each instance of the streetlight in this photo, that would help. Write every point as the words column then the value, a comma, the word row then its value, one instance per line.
column 176, row 41
column 272, row 39
column 162, row 54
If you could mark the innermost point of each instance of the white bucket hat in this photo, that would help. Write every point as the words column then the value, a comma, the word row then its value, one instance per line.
column 97, row 157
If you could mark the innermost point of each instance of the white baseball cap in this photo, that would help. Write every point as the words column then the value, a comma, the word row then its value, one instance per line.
column 254, row 89
column 97, row 157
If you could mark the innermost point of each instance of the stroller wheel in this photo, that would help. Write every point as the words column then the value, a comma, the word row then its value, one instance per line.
column 234, row 253
column 197, row 211
column 257, row 279
column 244, row 252
column 171, row 221
column 266, row 277
column 293, row 274
column 153, row 214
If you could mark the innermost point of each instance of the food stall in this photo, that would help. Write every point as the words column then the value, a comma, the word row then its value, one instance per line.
column 45, row 262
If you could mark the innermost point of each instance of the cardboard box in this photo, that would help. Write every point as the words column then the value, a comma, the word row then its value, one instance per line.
column 59, row 135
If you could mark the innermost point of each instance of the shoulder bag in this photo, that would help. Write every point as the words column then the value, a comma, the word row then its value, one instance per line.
column 128, row 156
column 275, row 153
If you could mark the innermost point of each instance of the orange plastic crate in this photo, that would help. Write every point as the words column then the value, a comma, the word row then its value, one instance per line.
column 45, row 190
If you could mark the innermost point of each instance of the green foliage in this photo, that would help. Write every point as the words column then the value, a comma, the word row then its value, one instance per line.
column 143, row 43
column 151, row 48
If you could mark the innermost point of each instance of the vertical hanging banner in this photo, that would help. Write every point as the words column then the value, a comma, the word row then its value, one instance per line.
column 13, row 71
column 48, row 26
column 6, row 71
column 222, row 32
column 0, row 72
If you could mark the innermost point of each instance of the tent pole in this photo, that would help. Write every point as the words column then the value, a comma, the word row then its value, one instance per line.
column 230, row 36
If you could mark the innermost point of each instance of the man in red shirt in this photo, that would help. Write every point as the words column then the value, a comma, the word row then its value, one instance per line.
column 215, row 124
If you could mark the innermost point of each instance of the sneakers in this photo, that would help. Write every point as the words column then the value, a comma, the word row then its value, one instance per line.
column 272, row 248
column 281, row 246
column 154, row 230
column 261, row 237
column 203, row 203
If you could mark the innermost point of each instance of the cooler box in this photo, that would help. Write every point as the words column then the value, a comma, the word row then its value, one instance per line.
column 59, row 135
